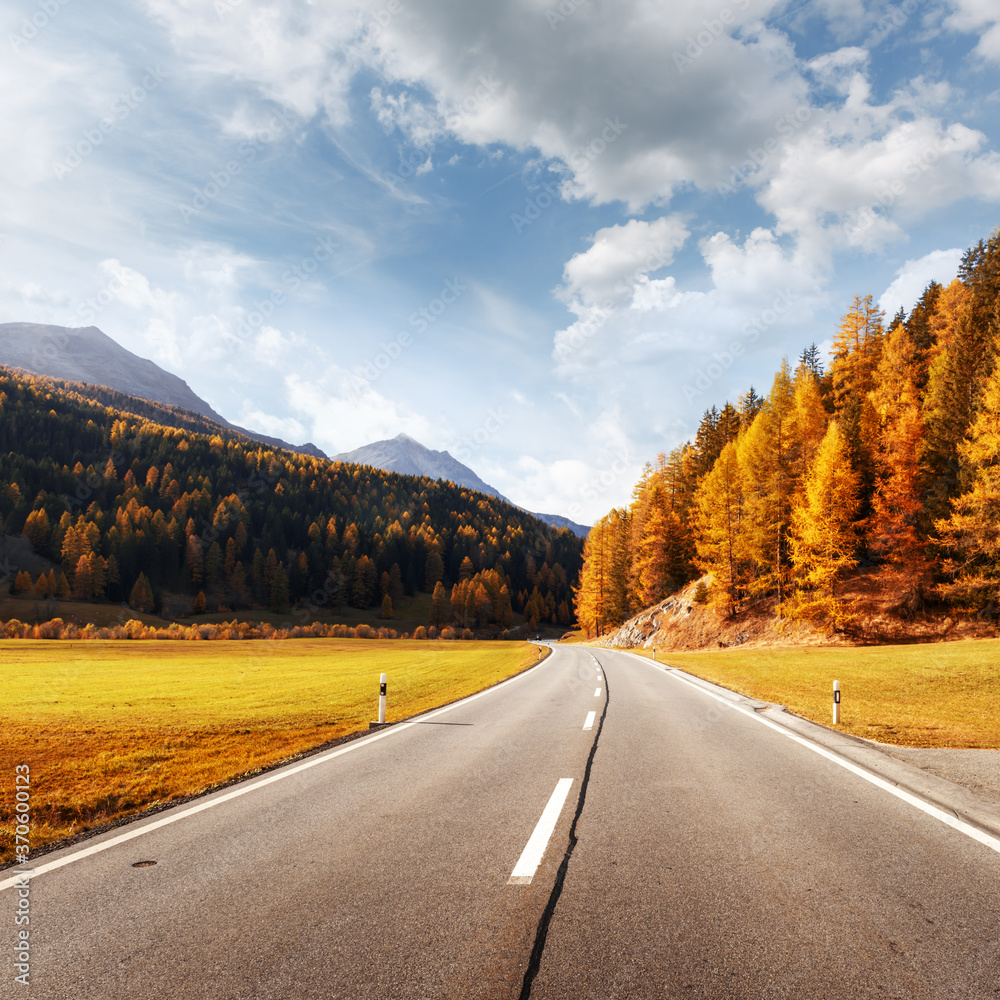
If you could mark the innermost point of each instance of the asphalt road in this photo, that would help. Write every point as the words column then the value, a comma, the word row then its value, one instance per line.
column 698, row 854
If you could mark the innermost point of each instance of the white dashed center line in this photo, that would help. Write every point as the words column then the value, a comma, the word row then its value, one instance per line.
column 531, row 856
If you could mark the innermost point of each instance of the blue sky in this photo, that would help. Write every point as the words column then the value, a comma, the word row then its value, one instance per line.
column 543, row 235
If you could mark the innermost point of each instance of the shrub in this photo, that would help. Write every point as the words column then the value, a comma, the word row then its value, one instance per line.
column 51, row 629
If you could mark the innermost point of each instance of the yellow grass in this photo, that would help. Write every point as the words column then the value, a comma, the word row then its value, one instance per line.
column 109, row 728
column 921, row 695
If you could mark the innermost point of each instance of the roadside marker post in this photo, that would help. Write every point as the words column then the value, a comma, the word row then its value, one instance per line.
column 381, row 724
column 836, row 703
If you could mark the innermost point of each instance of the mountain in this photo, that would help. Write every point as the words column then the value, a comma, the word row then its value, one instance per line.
column 403, row 454
column 86, row 354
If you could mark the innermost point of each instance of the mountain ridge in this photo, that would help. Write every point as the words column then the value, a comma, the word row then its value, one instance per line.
column 87, row 354
column 405, row 455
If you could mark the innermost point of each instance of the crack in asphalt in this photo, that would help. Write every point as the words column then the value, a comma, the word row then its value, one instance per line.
column 541, row 932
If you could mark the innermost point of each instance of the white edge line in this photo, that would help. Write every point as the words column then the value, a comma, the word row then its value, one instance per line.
column 245, row 789
column 588, row 723
column 531, row 856
column 939, row 814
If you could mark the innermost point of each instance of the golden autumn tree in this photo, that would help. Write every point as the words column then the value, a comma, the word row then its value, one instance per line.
column 717, row 518
column 765, row 461
column 37, row 529
column 892, row 529
column 588, row 595
column 652, row 558
column 83, row 581
column 809, row 420
column 857, row 347
column 440, row 606
column 971, row 534
column 955, row 383
column 823, row 538
column 592, row 596
column 942, row 318
column 141, row 596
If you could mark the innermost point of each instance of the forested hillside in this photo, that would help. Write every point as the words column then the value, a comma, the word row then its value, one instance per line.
column 175, row 521
column 889, row 461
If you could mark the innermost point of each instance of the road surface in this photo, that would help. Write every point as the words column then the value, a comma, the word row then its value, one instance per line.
column 697, row 853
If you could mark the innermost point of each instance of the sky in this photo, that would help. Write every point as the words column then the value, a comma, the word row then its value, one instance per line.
column 545, row 235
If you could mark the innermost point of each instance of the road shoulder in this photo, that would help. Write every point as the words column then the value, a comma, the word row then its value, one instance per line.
column 964, row 783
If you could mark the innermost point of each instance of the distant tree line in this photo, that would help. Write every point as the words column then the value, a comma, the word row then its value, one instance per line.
column 173, row 520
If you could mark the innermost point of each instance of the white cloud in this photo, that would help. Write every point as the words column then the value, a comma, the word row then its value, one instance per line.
column 836, row 69
column 341, row 414
column 979, row 17
column 855, row 176
column 620, row 256
column 915, row 275
column 287, row 428
column 757, row 281
column 296, row 54
column 581, row 489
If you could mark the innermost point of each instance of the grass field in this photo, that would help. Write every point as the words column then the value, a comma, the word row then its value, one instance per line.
column 942, row 694
column 109, row 728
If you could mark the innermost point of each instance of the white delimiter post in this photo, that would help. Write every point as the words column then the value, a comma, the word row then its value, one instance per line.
column 381, row 698
column 836, row 703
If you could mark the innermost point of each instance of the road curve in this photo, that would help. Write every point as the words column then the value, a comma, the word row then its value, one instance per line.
column 697, row 854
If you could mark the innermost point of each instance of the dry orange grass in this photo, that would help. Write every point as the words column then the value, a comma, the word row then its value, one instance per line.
column 111, row 728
